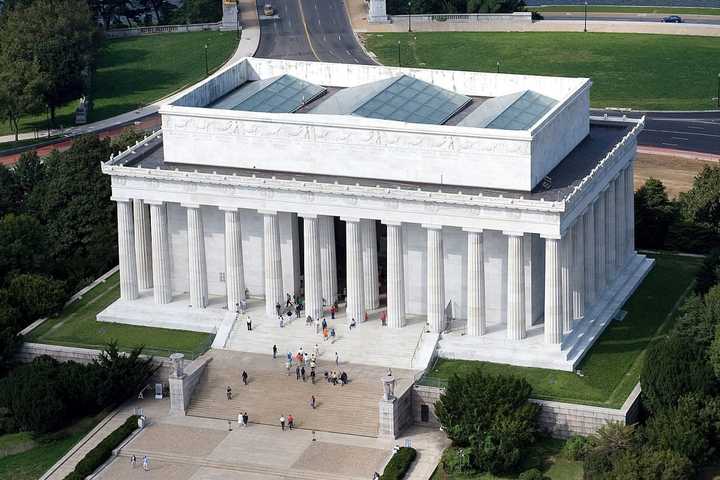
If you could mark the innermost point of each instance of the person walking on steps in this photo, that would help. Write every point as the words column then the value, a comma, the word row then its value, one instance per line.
column 274, row 351
column 282, row 422
column 291, row 421
column 249, row 323
column 337, row 360
column 244, row 377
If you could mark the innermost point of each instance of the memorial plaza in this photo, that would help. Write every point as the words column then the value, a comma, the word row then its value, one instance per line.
column 469, row 215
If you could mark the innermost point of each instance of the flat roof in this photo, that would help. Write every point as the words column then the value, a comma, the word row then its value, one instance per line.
column 603, row 136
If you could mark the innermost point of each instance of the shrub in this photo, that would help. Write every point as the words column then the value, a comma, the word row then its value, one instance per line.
column 533, row 474
column 610, row 442
column 649, row 464
column 457, row 460
column 399, row 464
column 576, row 448
column 690, row 429
column 501, row 447
column 36, row 296
column 699, row 318
column 709, row 273
column 673, row 367
column 121, row 375
column 103, row 450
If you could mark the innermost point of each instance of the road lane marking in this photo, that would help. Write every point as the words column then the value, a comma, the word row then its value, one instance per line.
column 679, row 138
column 307, row 33
column 669, row 144
column 685, row 133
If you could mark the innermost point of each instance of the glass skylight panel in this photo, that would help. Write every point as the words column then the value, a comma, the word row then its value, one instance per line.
column 523, row 113
column 408, row 99
column 285, row 94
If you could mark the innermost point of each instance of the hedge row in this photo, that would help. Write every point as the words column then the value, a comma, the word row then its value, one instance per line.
column 399, row 464
column 103, row 450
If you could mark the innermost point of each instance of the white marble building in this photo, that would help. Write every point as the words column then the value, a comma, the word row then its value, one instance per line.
column 491, row 206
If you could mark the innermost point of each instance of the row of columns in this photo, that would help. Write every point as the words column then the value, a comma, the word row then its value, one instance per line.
column 578, row 266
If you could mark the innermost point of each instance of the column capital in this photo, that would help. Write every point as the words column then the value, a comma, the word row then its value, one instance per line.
column 267, row 212
column 550, row 236
column 190, row 205
column 472, row 230
column 429, row 226
column 158, row 203
column 228, row 209
column 116, row 198
column 313, row 216
column 396, row 223
column 350, row 219
column 511, row 233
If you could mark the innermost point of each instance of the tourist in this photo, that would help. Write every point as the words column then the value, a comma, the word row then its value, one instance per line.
column 282, row 323
column 376, row 476
column 288, row 365
column 302, row 373
column 249, row 323
column 241, row 420
column 277, row 309
column 290, row 421
column 366, row 317
column 228, row 392
column 237, row 308
column 332, row 312
column 312, row 402
column 282, row 422
column 244, row 377
column 343, row 379
column 297, row 311
column 274, row 351
column 316, row 350
column 332, row 335
column 246, row 419
column 146, row 463
column 353, row 324
column 297, row 373
column 327, row 376
column 308, row 320
column 133, row 461
column 317, row 326
column 324, row 324
column 312, row 375
column 325, row 334
column 337, row 359
column 383, row 318
column 288, row 300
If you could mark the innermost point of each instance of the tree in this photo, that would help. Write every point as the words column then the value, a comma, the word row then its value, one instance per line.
column 653, row 214
column 674, row 367
column 19, row 88
column 709, row 273
column 22, row 245
column 699, row 318
column 650, row 464
column 609, row 443
column 122, row 375
column 36, row 296
column 9, row 191
column 29, row 172
column 701, row 204
column 55, row 43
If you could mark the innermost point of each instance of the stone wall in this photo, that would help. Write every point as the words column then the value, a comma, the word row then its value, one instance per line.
column 517, row 18
column 182, row 389
column 559, row 419
column 157, row 29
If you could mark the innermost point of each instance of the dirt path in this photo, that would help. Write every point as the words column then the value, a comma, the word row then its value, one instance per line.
column 676, row 173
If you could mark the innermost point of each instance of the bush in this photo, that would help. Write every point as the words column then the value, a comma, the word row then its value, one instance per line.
column 533, row 474
column 36, row 296
column 576, row 448
column 690, row 429
column 399, row 464
column 500, row 450
column 649, row 464
column 610, row 442
column 103, row 450
column 709, row 273
column 699, row 318
column 457, row 460
column 673, row 367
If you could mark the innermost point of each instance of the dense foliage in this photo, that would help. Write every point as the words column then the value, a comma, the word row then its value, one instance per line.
column 103, row 450
column 402, row 7
column 399, row 464
column 46, row 395
column 490, row 417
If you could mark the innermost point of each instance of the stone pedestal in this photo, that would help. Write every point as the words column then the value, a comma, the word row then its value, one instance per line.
column 389, row 426
column 377, row 11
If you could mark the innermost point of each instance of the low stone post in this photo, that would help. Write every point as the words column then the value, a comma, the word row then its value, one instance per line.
column 176, row 382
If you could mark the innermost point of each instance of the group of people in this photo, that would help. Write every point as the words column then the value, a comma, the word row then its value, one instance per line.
column 335, row 379
column 145, row 462
column 228, row 389
column 243, row 419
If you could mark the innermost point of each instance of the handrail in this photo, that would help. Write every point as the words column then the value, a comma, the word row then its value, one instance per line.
column 417, row 344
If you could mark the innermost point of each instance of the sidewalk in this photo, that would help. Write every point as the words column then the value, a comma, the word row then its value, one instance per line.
column 249, row 41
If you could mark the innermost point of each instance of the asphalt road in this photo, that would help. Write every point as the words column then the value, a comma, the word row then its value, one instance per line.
column 641, row 17
column 316, row 30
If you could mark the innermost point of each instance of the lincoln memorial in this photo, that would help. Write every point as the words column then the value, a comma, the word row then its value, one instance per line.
column 484, row 216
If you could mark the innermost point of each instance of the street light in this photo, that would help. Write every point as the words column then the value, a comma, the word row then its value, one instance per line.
column 718, row 92
column 237, row 18
column 498, row 66
column 585, row 28
column 410, row 16
column 207, row 71
column 399, row 64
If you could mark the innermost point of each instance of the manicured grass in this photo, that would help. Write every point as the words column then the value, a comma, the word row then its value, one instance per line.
column 624, row 9
column 652, row 72
column 611, row 368
column 77, row 327
column 544, row 455
column 31, row 464
column 133, row 72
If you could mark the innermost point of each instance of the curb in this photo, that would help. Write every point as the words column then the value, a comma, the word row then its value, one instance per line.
column 686, row 154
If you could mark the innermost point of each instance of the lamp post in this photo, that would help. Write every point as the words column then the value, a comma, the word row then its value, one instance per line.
column 718, row 92
column 207, row 71
column 410, row 16
column 585, row 27
column 498, row 66
column 237, row 18
column 399, row 64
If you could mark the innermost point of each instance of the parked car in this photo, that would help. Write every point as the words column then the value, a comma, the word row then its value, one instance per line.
column 672, row 19
column 268, row 10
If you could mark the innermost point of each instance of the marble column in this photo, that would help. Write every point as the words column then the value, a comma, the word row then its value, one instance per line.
column 553, row 293
column 600, row 278
column 328, row 260
column 370, row 264
column 435, row 278
column 630, row 212
column 126, row 250
column 162, row 287
column 566, row 251
column 196, row 257
column 234, row 271
column 395, row 276
column 620, row 221
column 475, row 283
column 610, row 219
column 313, row 279
column 354, row 267
column 272, row 262
column 589, row 237
column 515, row 286
column 143, row 244
column 578, row 270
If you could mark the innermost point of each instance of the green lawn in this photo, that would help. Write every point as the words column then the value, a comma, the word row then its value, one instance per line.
column 133, row 72
column 544, row 455
column 623, row 9
column 653, row 72
column 77, row 327
column 611, row 368
column 31, row 464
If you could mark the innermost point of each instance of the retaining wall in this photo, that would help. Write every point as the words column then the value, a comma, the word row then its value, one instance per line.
column 517, row 18
column 157, row 29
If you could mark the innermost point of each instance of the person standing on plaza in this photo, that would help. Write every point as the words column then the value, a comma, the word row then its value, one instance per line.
column 297, row 373
column 291, row 421
column 312, row 375
column 332, row 311
column 317, row 326
column 277, row 309
column 282, row 422
column 133, row 461
column 324, row 324
column 274, row 351
column 246, row 419
column 312, row 402
column 244, row 377
column 337, row 359
column 302, row 373
column 228, row 392
column 288, row 300
column 325, row 334
column 146, row 463
column 316, row 350
column 249, row 323
column 241, row 420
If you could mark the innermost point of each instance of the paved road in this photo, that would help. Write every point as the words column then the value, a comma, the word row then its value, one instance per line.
column 640, row 17
column 316, row 30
